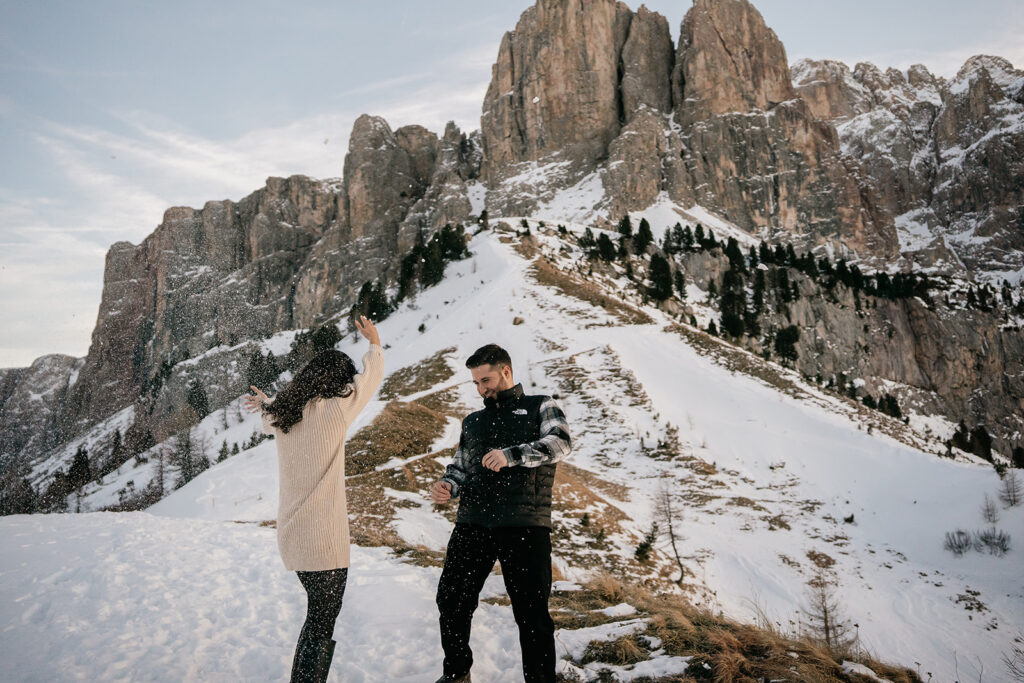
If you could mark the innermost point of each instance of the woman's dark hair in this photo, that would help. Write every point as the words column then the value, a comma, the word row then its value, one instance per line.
column 328, row 375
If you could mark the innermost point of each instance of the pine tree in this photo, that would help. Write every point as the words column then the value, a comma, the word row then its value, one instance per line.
column 79, row 473
column 661, row 277
column 825, row 621
column 605, row 248
column 759, row 285
column 433, row 263
column 407, row 273
column 981, row 443
column 890, row 406
column 196, row 397
column 17, row 497
column 625, row 226
column 453, row 243
column 643, row 551
column 184, row 459
column 751, row 324
column 687, row 239
column 785, row 342
column 782, row 287
column 961, row 438
column 1011, row 491
column 679, row 281
column 732, row 303
column 118, row 453
column 791, row 259
column 736, row 260
column 222, row 455
column 587, row 241
column 677, row 239
column 262, row 370
column 643, row 238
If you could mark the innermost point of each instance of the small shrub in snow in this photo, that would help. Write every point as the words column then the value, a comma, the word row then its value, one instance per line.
column 989, row 511
column 958, row 542
column 1011, row 491
column 995, row 541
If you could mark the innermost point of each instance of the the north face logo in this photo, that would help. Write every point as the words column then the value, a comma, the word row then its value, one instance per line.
column 519, row 411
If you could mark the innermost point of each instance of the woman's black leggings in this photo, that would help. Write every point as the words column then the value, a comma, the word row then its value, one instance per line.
column 324, row 592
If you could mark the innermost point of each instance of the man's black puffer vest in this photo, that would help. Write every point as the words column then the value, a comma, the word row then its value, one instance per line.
column 515, row 495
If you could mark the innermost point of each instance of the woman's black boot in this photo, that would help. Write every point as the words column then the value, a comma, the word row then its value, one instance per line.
column 312, row 660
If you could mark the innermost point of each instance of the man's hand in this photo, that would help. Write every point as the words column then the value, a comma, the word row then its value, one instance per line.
column 441, row 493
column 494, row 460
column 254, row 403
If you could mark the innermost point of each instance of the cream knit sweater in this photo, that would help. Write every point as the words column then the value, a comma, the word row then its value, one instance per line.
column 312, row 513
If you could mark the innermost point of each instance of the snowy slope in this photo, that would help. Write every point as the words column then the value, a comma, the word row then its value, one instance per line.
column 764, row 479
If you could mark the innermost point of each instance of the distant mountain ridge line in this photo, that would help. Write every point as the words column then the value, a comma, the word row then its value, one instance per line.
column 609, row 97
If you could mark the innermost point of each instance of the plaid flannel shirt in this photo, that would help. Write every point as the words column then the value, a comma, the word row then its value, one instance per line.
column 553, row 446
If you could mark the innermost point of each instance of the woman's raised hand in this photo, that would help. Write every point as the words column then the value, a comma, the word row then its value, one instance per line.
column 367, row 329
column 254, row 402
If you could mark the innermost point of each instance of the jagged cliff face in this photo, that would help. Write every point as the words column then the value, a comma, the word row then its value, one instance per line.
column 551, row 92
column 946, row 159
column 206, row 281
column 592, row 98
column 587, row 85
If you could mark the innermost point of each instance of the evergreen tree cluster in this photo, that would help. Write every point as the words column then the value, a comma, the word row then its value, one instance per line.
column 424, row 265
column 977, row 441
column 261, row 371
column 887, row 404
column 309, row 343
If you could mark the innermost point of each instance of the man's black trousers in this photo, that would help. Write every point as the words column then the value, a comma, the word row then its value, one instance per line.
column 525, row 557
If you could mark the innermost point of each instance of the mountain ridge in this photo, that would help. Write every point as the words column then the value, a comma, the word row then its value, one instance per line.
column 296, row 252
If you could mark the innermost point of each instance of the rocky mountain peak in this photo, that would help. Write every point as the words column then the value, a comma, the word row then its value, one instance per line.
column 728, row 60
column 555, row 84
column 1000, row 70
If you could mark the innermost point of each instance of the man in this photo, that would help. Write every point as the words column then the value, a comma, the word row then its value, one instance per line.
column 503, row 473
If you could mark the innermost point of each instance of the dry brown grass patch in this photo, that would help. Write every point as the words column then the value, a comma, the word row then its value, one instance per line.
column 400, row 431
column 743, row 501
column 418, row 377
column 549, row 275
column 444, row 401
column 622, row 651
column 891, row 673
column 820, row 559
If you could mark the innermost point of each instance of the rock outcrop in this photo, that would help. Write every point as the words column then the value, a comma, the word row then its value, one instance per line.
column 945, row 159
column 577, row 85
column 31, row 401
column 588, row 101
column 291, row 255
column 555, row 85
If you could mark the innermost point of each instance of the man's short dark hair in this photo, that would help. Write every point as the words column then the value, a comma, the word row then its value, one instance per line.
column 491, row 354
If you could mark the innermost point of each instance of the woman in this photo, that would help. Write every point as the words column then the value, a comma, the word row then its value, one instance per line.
column 309, row 419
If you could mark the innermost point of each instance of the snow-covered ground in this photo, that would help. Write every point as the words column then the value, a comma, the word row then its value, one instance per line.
column 182, row 592
column 136, row 597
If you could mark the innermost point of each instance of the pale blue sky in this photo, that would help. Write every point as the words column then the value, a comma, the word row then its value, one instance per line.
column 113, row 110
